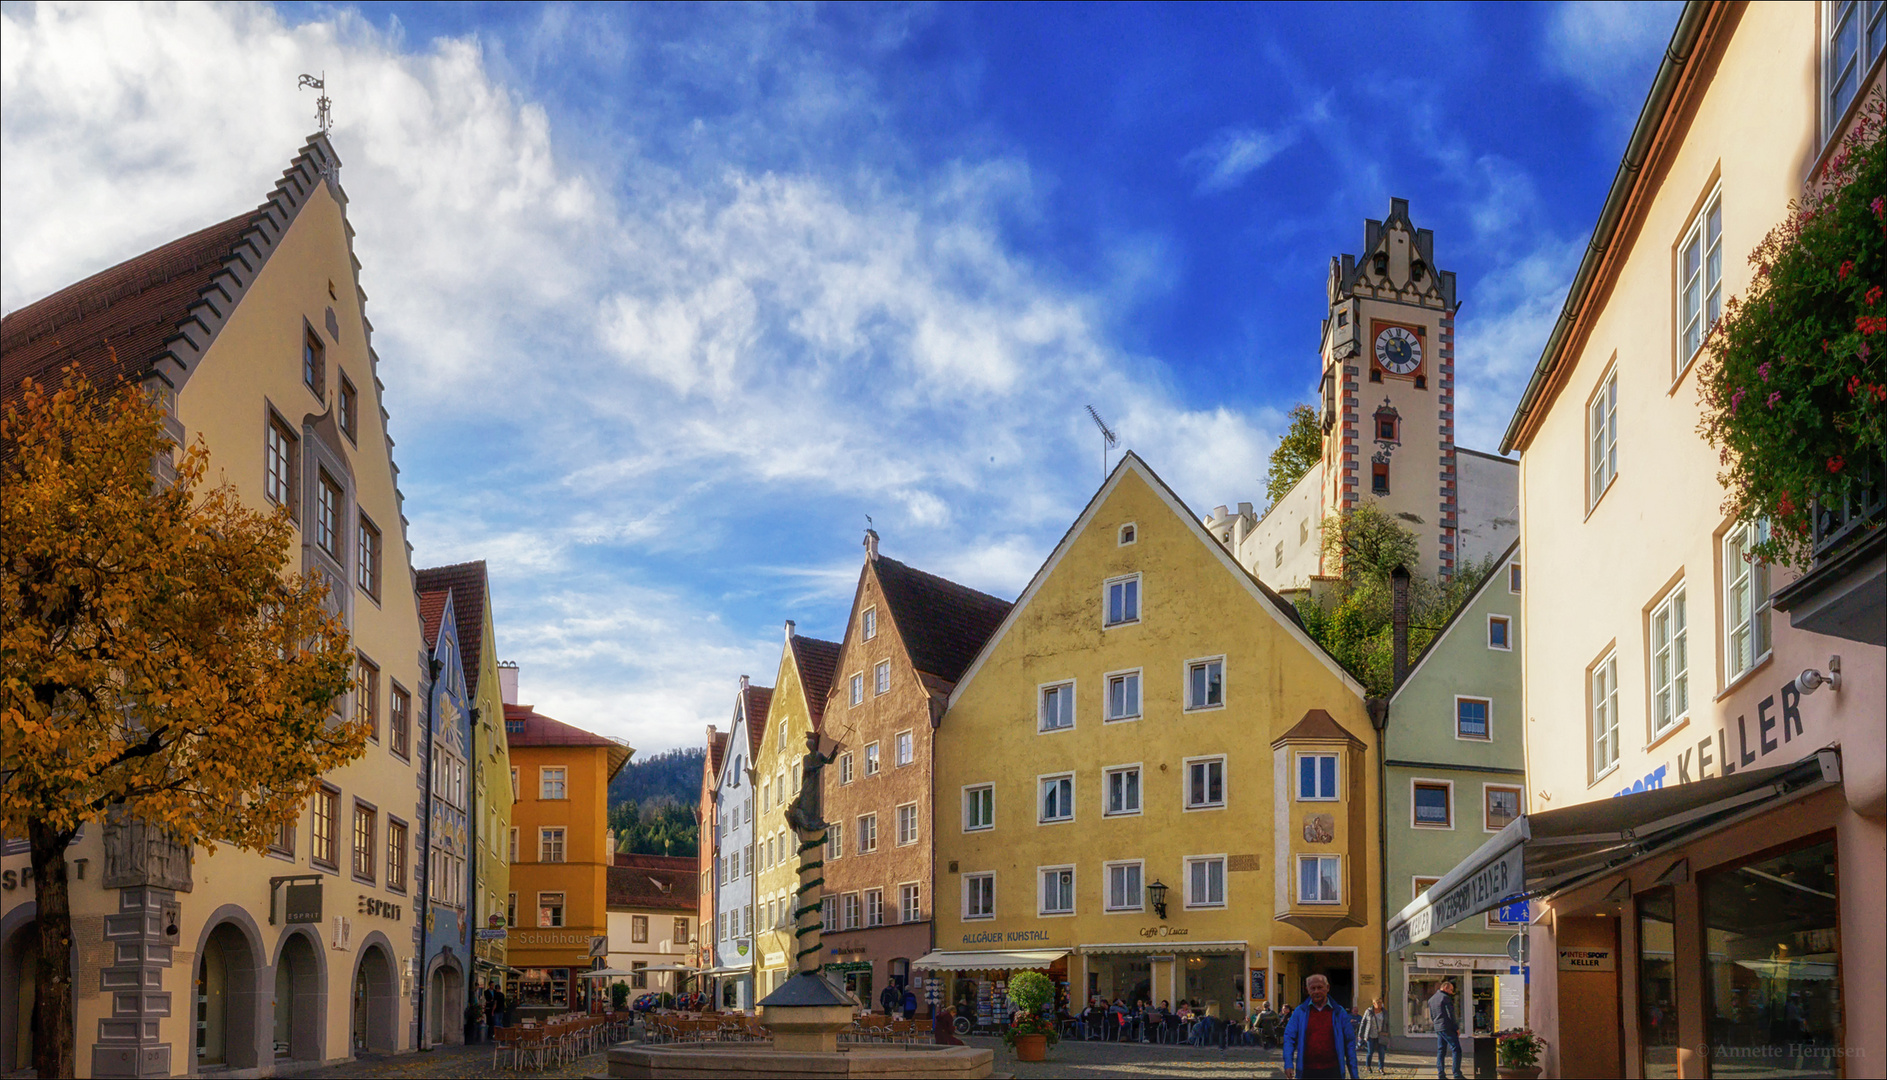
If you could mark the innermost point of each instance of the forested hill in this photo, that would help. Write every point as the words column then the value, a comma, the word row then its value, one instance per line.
column 652, row 803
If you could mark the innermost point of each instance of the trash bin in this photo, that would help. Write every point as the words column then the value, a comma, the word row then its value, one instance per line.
column 1485, row 1061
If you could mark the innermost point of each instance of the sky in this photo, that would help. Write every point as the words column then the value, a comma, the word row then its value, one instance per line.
column 671, row 299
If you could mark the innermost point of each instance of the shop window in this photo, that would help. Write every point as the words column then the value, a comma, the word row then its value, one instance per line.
column 1123, row 696
column 1316, row 777
column 1774, row 964
column 979, row 808
column 1433, row 804
column 1657, row 983
column 979, row 896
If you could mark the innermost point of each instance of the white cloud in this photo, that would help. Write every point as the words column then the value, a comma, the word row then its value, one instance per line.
column 1611, row 48
column 1234, row 154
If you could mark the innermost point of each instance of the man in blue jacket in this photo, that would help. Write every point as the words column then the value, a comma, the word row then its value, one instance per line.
column 1441, row 1012
column 1319, row 1040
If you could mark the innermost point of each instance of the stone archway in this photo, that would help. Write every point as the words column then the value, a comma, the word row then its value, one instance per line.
column 374, row 1009
column 301, row 998
column 445, row 1003
column 19, row 954
column 227, row 996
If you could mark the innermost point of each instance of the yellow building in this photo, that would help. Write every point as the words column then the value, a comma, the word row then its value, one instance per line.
column 256, row 331
column 560, row 858
column 799, row 697
column 1151, row 784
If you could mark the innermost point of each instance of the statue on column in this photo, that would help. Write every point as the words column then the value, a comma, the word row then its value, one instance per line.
column 806, row 815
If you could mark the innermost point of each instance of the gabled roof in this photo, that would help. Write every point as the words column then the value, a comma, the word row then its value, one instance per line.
column 1316, row 726
column 756, row 703
column 526, row 727
column 432, row 608
column 468, row 584
column 717, row 749
column 1454, row 617
column 1279, row 608
column 817, row 660
column 943, row 624
column 647, row 884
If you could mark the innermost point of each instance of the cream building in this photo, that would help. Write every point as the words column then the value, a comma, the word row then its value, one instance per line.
column 187, row 963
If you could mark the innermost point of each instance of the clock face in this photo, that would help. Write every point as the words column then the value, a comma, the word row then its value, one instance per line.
column 1398, row 351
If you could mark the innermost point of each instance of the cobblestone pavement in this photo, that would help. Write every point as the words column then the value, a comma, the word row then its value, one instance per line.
column 452, row 1061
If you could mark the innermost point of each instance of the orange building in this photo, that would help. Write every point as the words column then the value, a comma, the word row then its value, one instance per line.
column 560, row 858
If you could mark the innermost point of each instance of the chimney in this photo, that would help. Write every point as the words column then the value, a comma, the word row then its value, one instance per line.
column 871, row 544
column 743, row 682
column 790, row 627
column 1399, row 622
column 508, row 681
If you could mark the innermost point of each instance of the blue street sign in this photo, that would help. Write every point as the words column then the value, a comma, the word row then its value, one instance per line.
column 1513, row 913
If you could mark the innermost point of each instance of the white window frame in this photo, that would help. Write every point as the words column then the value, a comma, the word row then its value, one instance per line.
column 874, row 907
column 858, row 688
column 544, row 780
column 1602, row 714
column 1507, row 624
column 1297, row 776
column 835, row 841
column 907, row 814
column 1428, row 781
column 881, row 678
column 1108, row 682
column 970, row 914
column 846, row 774
column 1520, row 803
column 1746, row 637
column 1298, row 882
column 1042, row 910
column 1108, row 621
column 910, row 902
column 868, row 833
column 1127, row 534
column 1194, row 903
column 873, row 763
column 903, row 748
column 1041, row 706
column 1694, row 327
column 1186, row 800
column 543, row 844
column 1204, row 661
column 1107, row 789
column 1602, row 438
column 1041, row 798
column 1487, row 701
column 851, row 911
column 1514, row 575
column 869, row 620
column 970, row 791
column 1667, row 663
column 1139, row 902
column 1835, row 15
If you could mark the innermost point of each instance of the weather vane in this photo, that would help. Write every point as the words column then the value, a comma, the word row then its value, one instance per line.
column 321, row 103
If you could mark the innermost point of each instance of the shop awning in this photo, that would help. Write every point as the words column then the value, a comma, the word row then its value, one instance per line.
column 741, row 970
column 1549, row 852
column 989, row 961
column 1163, row 945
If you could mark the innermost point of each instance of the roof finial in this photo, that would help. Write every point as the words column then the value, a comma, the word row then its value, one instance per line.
column 322, row 102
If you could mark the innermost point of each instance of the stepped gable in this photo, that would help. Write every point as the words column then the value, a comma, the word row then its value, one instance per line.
column 943, row 624
column 467, row 583
column 818, row 662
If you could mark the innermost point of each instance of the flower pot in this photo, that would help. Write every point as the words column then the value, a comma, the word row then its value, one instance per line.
column 1518, row 1072
column 1031, row 1048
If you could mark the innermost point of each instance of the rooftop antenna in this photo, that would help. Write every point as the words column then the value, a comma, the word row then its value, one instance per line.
column 1108, row 439
column 322, row 117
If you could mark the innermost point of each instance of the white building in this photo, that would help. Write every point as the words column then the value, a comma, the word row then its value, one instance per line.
column 734, row 849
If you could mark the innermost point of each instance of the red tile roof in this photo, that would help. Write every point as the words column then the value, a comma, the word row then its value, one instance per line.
column 527, row 727
column 432, row 608
column 717, row 747
column 756, row 702
column 665, row 888
column 817, row 661
column 943, row 624
column 468, row 584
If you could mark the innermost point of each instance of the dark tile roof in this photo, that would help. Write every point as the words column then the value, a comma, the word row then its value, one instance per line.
column 527, row 727
column 757, row 701
column 817, row 661
column 432, row 608
column 468, row 583
column 943, row 624
column 663, row 887
column 717, row 748
column 1318, row 725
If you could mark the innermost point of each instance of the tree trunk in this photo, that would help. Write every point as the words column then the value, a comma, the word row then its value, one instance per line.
column 53, row 1016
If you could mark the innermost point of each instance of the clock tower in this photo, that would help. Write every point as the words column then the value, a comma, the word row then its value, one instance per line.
column 1388, row 386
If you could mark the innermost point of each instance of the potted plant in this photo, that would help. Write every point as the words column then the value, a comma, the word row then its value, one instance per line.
column 1032, row 1033
column 1518, row 1052
column 618, row 995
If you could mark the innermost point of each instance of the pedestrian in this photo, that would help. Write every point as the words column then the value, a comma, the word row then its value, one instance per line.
column 1369, row 1032
column 1319, row 1040
column 910, row 1004
column 1441, row 1011
column 889, row 999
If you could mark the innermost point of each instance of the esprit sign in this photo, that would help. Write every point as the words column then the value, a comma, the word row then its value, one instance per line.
column 1737, row 744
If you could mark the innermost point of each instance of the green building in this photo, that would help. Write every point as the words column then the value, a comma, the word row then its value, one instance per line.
column 1453, row 775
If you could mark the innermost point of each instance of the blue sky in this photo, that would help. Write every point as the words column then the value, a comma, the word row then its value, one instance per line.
column 669, row 298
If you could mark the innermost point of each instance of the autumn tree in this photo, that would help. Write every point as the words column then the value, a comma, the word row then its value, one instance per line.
column 1299, row 448
column 158, row 660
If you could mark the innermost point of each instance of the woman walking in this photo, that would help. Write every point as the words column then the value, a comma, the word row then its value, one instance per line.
column 1370, row 1032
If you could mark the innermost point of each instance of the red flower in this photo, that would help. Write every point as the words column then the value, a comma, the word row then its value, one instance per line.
column 1873, row 296
column 1854, row 384
column 1835, row 463
column 1867, row 324
column 1846, row 269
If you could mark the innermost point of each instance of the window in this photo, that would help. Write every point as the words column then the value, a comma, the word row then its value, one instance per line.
column 908, row 904
column 1058, row 799
column 1058, row 707
column 907, row 824
column 1316, row 777
column 1205, row 684
column 1058, row 890
column 396, row 855
column 1385, row 428
column 367, row 696
column 979, row 808
column 835, row 841
column 1670, row 663
column 350, row 410
column 867, row 834
column 871, row 759
column 1602, row 435
column 1127, row 534
column 328, row 517
column 280, row 453
column 849, row 912
column 881, row 678
column 511, row 909
column 511, row 845
column 681, row 934
column 551, row 782
column 1205, row 783
column 845, row 768
column 1123, row 600
column 1604, row 716
column 1856, row 32
column 367, row 558
column 1123, row 696
column 1500, row 633
column 638, row 974
column 1123, row 790
column 550, row 909
column 1205, row 882
column 364, row 841
column 979, row 896
column 1277, row 555
column 314, row 364
column 1513, row 578
column 326, row 822
column 1471, row 718
column 550, row 845
column 1500, row 805
column 1434, row 804
column 858, row 688
column 905, row 753
column 1319, row 879
column 283, row 842
column 1123, row 887
column 828, row 914
column 639, row 928
column 1379, row 478
column 871, row 623
column 399, row 718
column 1745, row 600
column 1699, row 281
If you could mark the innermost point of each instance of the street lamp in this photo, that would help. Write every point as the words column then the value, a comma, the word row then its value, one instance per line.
column 1156, row 895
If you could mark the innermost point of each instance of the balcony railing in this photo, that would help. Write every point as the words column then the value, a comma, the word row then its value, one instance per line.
column 1864, row 509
